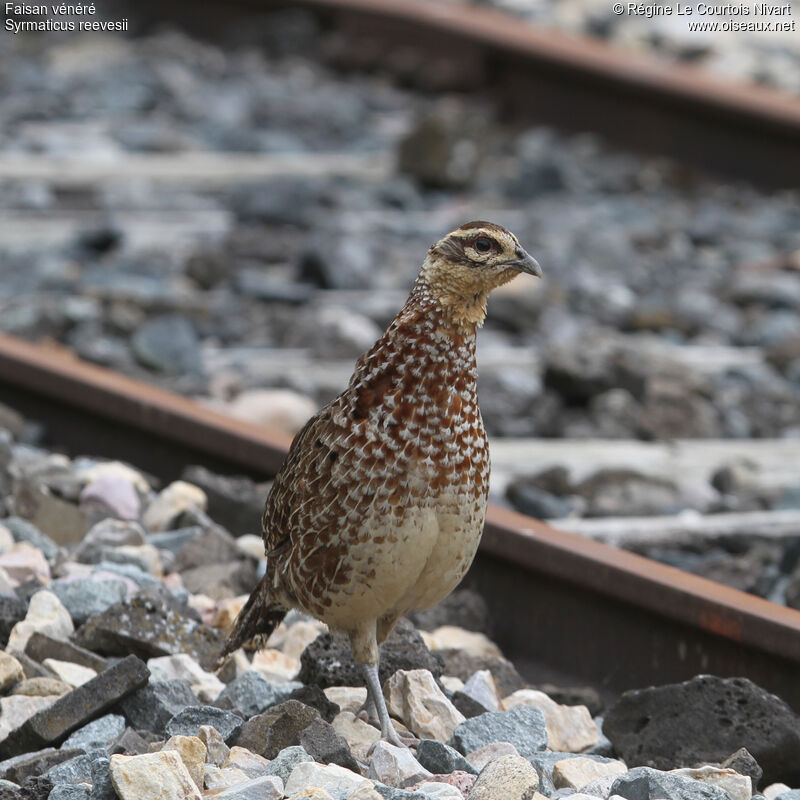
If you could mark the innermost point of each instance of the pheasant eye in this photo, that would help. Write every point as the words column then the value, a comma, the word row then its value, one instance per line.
column 483, row 244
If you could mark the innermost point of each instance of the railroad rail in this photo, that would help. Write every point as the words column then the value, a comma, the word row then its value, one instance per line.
column 565, row 607
column 540, row 75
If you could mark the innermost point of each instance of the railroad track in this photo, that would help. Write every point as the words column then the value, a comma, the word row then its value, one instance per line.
column 565, row 607
column 543, row 76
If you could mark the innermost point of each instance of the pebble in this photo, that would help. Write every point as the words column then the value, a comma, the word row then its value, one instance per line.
column 113, row 497
column 217, row 752
column 68, row 672
column 47, row 615
column 205, row 685
column 154, row 705
column 576, row 773
column 359, row 735
column 524, row 727
column 264, row 787
column 510, row 777
column 153, row 776
column 251, row 764
column 86, row 597
column 481, row 688
column 413, row 697
column 99, row 734
column 10, row 671
column 395, row 766
column 348, row 698
column 170, row 503
column 439, row 758
column 188, row 721
column 276, row 409
column 337, row 781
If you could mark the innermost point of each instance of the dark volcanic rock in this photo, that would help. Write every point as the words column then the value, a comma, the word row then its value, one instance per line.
column 188, row 721
column 464, row 608
column 706, row 719
column 147, row 628
column 40, row 646
column 467, row 705
column 314, row 696
column 12, row 610
column 153, row 706
column 76, row 708
column 464, row 665
column 321, row 741
column 328, row 661
column 268, row 733
column 439, row 758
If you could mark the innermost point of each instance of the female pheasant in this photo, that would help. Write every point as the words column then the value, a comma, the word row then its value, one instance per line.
column 380, row 504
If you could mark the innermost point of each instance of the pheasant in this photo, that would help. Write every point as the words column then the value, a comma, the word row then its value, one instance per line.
column 380, row 504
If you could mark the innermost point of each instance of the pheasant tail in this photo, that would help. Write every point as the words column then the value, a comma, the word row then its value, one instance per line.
column 255, row 622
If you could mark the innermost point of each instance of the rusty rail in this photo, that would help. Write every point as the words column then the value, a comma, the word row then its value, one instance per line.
column 563, row 605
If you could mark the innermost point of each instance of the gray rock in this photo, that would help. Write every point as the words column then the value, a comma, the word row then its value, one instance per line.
column 187, row 722
column 70, row 791
column 705, row 719
column 168, row 344
column 279, row 727
column 251, row 693
column 392, row 793
column 125, row 569
column 99, row 734
column 792, row 794
column 460, row 664
column 40, row 646
column 174, row 540
column 314, row 696
column 102, row 788
column 12, row 610
column 644, row 783
column 153, row 706
column 24, row 531
column 743, row 762
column 75, row 770
column 536, row 502
column 213, row 546
column 77, row 707
column 19, row 768
column 321, row 741
column 258, row 788
column 626, row 492
column 328, row 660
column 441, row 759
column 523, row 726
column 85, row 597
column 286, row 760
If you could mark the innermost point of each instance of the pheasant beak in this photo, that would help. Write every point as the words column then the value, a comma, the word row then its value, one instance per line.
column 524, row 262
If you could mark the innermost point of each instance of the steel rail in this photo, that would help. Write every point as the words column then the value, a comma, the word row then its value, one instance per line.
column 541, row 75
column 563, row 604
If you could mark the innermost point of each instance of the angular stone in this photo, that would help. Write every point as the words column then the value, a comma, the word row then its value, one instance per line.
column 102, row 786
column 321, row 740
column 463, row 665
column 146, row 628
column 153, row 706
column 365, row 792
column 171, row 502
column 264, row 787
column 217, row 752
column 644, row 783
column 413, row 697
column 251, row 693
column 251, row 764
column 439, row 758
column 269, row 733
column 153, row 776
column 348, row 698
column 481, row 687
column 40, row 646
column 437, row 790
column 570, row 729
column 314, row 696
column 491, row 752
column 46, row 615
column 77, row 707
column 328, row 661
column 20, row 768
column 100, row 734
column 25, row 531
column 704, row 720
column 450, row 637
column 86, row 597
column 213, row 546
column 467, row 706
column 205, row 685
column 111, row 496
column 24, row 564
column 193, row 754
column 61, row 522
column 10, row 671
column 523, row 727
column 510, row 777
column 575, row 773
column 12, row 611
column 739, row 787
column 173, row 541
column 285, row 762
column 75, row 770
column 14, row 711
column 71, row 674
column 217, row 778
column 359, row 735
column 275, row 666
column 742, row 762
column 71, row 791
column 41, row 687
column 336, row 780
column 395, row 766
column 188, row 721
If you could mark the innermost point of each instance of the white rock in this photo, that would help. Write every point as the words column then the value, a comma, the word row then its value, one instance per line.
column 300, row 635
column 413, row 697
column 601, row 787
column 205, row 685
column 146, row 554
column 570, row 729
column 395, row 766
column 69, row 672
column 112, row 494
column 263, row 787
column 193, row 754
column 217, row 752
column 451, row 683
column 7, row 583
column 172, row 501
column 481, row 687
column 281, row 409
column 152, row 776
column 6, row 539
column 336, row 780
column 24, row 562
column 774, row 789
column 252, row 545
column 739, row 787
column 359, row 735
column 365, row 793
column 509, row 777
column 275, row 666
column 451, row 637
column 248, row 762
column 16, row 708
column 491, row 752
column 574, row 773
column 348, row 698
column 223, row 777
column 439, row 790
column 46, row 615
column 112, row 469
column 10, row 671
column 314, row 793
